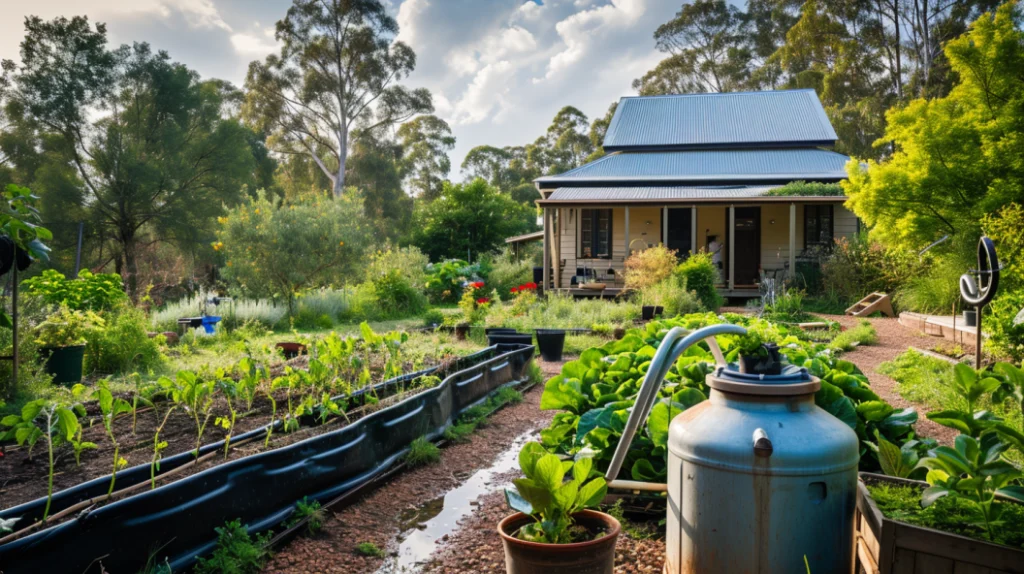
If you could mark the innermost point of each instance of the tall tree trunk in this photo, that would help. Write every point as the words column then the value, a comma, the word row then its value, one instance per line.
column 339, row 178
column 129, row 246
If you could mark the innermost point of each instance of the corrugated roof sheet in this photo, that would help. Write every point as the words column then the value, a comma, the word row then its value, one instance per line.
column 786, row 118
column 706, row 167
column 657, row 193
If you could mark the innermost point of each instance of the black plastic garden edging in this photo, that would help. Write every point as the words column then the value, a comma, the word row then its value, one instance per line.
column 179, row 518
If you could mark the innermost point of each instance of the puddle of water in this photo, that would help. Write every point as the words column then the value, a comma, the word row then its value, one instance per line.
column 423, row 526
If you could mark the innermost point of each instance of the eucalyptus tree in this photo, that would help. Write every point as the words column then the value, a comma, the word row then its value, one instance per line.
column 426, row 141
column 153, row 147
column 337, row 71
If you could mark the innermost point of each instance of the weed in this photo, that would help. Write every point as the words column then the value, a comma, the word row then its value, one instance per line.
column 236, row 551
column 459, row 433
column 306, row 508
column 422, row 452
column 534, row 373
column 507, row 396
column 635, row 530
column 369, row 549
column 862, row 334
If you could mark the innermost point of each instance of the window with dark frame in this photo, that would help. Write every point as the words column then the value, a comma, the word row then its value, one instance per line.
column 818, row 226
column 595, row 233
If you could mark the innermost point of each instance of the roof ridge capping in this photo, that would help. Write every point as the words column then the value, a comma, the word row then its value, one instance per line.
column 765, row 119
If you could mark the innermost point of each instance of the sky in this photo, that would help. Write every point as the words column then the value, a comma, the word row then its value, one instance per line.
column 499, row 70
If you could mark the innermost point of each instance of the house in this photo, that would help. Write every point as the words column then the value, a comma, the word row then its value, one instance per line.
column 696, row 171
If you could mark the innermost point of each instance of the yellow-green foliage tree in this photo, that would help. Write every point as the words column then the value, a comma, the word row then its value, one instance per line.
column 275, row 249
column 955, row 158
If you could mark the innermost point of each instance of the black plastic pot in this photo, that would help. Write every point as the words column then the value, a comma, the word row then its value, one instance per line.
column 551, row 342
column 509, row 339
column 970, row 318
column 756, row 365
column 461, row 331
column 64, row 363
column 490, row 330
column 649, row 312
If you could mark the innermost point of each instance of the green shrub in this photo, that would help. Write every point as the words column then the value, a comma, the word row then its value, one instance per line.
column 507, row 273
column 123, row 345
column 410, row 263
column 89, row 292
column 445, row 280
column 647, row 268
column 433, row 317
column 1005, row 336
column 66, row 327
column 700, row 275
column 236, row 551
column 803, row 188
column 1004, row 229
column 396, row 297
column 333, row 303
column 422, row 452
column 273, row 249
column 857, row 267
column 671, row 293
column 233, row 314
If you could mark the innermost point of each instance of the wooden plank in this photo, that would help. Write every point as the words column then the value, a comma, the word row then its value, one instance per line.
column 865, row 558
column 903, row 562
column 959, row 548
column 932, row 564
column 965, row 568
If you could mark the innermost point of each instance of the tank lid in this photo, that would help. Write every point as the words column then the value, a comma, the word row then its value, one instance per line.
column 792, row 380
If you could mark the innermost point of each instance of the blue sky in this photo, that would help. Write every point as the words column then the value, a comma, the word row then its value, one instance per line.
column 499, row 69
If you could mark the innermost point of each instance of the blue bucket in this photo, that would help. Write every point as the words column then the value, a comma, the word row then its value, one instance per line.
column 209, row 322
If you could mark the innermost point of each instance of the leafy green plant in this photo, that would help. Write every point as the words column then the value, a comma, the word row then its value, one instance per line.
column 974, row 470
column 971, row 388
column 66, row 327
column 110, row 408
column 123, row 344
column 89, row 292
column 194, row 395
column 863, row 334
column 20, row 221
column 445, row 279
column 42, row 419
column 158, row 447
column 545, row 495
column 369, row 549
column 228, row 389
column 422, row 452
column 236, row 551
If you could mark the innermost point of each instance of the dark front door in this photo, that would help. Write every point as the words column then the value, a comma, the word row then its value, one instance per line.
column 680, row 231
column 748, row 245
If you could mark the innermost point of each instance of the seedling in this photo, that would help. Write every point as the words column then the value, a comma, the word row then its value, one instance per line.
column 230, row 390
column 110, row 408
column 369, row 549
column 158, row 448
column 38, row 419
column 78, row 395
column 311, row 510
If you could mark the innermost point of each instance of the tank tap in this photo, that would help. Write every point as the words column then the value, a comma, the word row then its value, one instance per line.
column 762, row 444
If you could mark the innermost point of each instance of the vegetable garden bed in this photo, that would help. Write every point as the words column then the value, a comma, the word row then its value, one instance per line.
column 885, row 545
column 261, row 489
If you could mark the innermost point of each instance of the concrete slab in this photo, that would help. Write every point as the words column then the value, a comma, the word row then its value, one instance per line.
column 945, row 326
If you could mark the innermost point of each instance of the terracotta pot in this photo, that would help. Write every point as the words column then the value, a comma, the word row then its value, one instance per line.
column 591, row 557
column 292, row 350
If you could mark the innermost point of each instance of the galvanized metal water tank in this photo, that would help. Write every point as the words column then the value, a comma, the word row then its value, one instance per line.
column 759, row 478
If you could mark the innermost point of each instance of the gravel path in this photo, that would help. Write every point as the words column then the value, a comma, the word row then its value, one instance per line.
column 375, row 517
column 893, row 340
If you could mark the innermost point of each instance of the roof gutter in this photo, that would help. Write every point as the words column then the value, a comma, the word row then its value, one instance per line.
column 751, row 145
column 701, row 200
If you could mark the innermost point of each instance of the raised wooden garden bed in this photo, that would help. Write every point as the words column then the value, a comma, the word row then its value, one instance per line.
column 886, row 546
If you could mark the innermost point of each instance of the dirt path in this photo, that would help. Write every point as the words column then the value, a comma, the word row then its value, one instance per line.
column 893, row 340
column 375, row 518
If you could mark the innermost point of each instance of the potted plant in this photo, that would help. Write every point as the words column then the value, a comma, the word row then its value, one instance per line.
column 757, row 352
column 554, row 529
column 473, row 308
column 550, row 343
column 61, row 338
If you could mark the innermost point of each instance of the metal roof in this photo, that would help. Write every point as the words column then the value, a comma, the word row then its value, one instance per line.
column 704, row 167
column 679, row 194
column 535, row 236
column 784, row 118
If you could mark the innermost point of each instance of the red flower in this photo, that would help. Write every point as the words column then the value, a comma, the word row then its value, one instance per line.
column 528, row 286
column 477, row 285
column 515, row 289
column 482, row 301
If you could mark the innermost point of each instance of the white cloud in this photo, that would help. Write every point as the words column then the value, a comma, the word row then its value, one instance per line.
column 486, row 93
column 198, row 13
column 581, row 31
column 410, row 13
column 512, row 42
column 255, row 45
column 530, row 11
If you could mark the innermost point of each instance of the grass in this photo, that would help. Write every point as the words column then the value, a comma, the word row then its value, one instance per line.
column 635, row 530
column 949, row 514
column 369, row 549
column 422, row 452
column 311, row 510
column 862, row 334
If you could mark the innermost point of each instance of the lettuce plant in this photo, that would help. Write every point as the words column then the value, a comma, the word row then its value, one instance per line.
column 545, row 495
